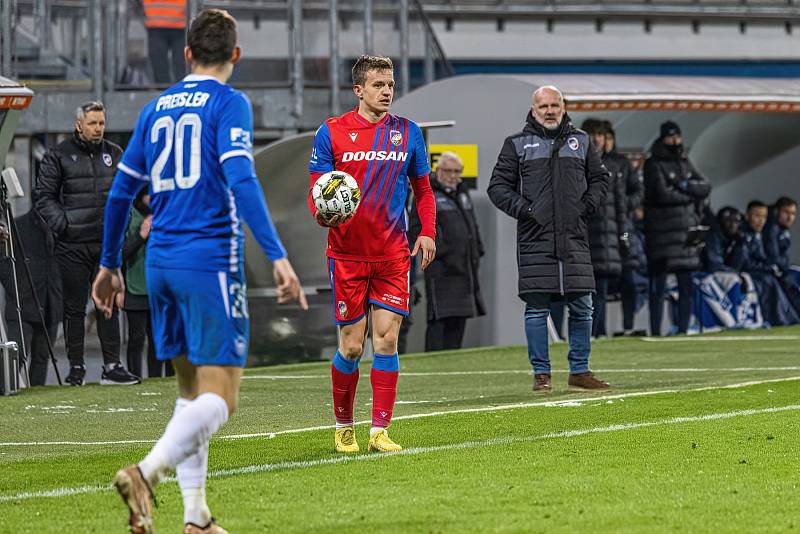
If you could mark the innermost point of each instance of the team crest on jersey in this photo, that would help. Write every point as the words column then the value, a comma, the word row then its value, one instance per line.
column 395, row 137
column 107, row 160
column 573, row 143
column 342, row 309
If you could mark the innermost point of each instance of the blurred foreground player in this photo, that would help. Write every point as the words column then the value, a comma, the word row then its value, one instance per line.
column 193, row 145
column 368, row 254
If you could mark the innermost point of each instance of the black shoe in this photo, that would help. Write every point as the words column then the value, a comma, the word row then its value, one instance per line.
column 116, row 375
column 76, row 376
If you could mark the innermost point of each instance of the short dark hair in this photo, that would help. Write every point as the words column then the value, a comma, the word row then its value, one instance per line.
column 755, row 204
column 593, row 126
column 212, row 37
column 728, row 211
column 785, row 202
column 365, row 63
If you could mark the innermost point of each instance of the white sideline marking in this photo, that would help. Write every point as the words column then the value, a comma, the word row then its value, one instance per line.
column 555, row 403
column 719, row 338
column 529, row 372
column 283, row 466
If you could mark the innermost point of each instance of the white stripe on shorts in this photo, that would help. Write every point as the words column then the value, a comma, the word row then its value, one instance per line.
column 223, row 288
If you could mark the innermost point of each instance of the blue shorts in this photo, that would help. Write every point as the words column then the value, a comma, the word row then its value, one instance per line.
column 200, row 314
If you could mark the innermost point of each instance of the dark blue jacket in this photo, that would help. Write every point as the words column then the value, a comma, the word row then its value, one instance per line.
column 722, row 254
column 754, row 255
column 777, row 241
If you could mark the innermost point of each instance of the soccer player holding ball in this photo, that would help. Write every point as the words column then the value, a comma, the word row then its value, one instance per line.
column 192, row 149
column 367, row 252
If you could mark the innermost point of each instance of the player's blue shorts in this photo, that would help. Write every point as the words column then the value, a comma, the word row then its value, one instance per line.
column 202, row 314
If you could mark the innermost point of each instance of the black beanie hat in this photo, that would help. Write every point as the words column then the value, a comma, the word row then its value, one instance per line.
column 670, row 128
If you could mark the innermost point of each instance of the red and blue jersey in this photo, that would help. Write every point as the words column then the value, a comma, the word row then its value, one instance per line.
column 384, row 158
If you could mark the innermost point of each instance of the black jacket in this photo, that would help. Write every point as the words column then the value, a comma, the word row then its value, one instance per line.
column 39, row 249
column 777, row 243
column 673, row 202
column 722, row 253
column 611, row 220
column 72, row 187
column 550, row 182
column 452, row 288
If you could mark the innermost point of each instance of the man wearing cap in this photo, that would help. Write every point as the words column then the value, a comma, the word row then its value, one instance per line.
column 673, row 198
column 70, row 195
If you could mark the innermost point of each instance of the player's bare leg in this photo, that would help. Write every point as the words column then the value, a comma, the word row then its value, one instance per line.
column 383, row 376
column 344, row 377
column 208, row 395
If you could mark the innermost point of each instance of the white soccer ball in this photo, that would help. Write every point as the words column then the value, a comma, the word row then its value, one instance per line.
column 336, row 193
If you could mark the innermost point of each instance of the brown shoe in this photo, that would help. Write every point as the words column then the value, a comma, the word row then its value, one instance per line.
column 138, row 495
column 587, row 381
column 541, row 382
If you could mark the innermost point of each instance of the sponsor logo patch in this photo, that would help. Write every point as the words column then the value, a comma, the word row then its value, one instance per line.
column 353, row 136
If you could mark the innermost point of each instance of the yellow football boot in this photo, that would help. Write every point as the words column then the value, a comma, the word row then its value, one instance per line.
column 381, row 442
column 346, row 440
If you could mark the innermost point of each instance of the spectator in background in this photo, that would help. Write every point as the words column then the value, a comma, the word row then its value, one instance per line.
column 723, row 250
column 165, row 21
column 634, row 281
column 549, row 179
column 778, row 241
column 452, row 288
column 775, row 306
column 70, row 195
column 673, row 199
column 37, row 241
column 634, row 187
column 135, row 302
column 607, row 226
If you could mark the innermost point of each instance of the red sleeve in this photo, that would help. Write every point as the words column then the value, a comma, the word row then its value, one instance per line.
column 426, row 205
column 314, row 177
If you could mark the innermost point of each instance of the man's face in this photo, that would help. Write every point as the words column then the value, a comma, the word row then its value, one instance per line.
column 548, row 108
column 757, row 218
column 610, row 141
column 449, row 173
column 730, row 224
column 92, row 126
column 672, row 140
column 599, row 141
column 786, row 216
column 377, row 92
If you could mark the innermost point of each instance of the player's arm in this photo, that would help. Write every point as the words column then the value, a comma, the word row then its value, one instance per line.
column 131, row 177
column 321, row 161
column 424, row 199
column 234, row 132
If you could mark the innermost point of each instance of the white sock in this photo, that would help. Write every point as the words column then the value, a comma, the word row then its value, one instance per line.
column 343, row 425
column 191, row 474
column 189, row 429
column 374, row 430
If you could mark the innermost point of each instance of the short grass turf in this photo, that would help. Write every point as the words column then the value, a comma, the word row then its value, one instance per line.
column 698, row 434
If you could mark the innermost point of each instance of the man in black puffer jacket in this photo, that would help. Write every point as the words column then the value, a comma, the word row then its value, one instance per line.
column 673, row 202
column 452, row 288
column 608, row 225
column 550, row 179
column 70, row 195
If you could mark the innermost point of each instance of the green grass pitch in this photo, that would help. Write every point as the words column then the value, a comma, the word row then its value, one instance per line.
column 698, row 434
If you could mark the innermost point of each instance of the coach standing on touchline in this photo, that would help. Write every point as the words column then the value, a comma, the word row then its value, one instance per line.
column 70, row 195
column 550, row 179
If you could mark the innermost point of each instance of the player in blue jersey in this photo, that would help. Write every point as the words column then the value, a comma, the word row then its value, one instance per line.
column 192, row 147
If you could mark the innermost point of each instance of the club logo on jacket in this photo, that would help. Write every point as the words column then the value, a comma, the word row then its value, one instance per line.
column 74, row 157
column 107, row 160
column 573, row 143
column 342, row 309
column 395, row 137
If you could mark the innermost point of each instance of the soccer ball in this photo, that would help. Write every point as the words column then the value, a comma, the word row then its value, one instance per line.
column 336, row 193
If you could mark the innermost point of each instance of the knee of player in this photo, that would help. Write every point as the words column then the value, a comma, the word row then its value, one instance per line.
column 352, row 351
column 386, row 342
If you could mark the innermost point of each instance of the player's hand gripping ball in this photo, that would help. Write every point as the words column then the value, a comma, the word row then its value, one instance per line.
column 336, row 196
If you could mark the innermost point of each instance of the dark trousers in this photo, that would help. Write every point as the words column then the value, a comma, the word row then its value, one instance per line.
column 658, row 283
column 792, row 290
column 634, row 291
column 139, row 328
column 599, row 298
column 445, row 334
column 165, row 48
column 78, row 264
column 38, row 356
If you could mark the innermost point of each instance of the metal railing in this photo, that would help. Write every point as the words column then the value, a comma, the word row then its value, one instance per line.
column 99, row 45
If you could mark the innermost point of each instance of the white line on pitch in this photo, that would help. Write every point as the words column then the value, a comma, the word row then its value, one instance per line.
column 718, row 338
column 284, row 466
column 528, row 371
column 570, row 401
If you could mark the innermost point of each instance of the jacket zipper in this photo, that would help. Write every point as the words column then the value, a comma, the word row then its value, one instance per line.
column 555, row 230
column 561, row 276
